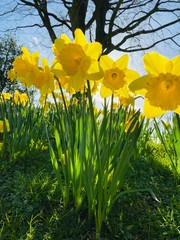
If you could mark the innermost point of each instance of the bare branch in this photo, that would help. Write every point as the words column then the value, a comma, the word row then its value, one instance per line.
column 114, row 23
column 10, row 11
column 135, row 49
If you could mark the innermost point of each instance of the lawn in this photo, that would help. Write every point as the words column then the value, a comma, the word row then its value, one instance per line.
column 31, row 204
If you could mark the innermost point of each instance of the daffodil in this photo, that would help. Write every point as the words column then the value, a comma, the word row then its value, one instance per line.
column 20, row 97
column 2, row 127
column 12, row 74
column 25, row 67
column 126, row 97
column 161, row 85
column 44, row 78
column 27, row 70
column 77, row 60
column 6, row 96
column 24, row 98
column 116, row 76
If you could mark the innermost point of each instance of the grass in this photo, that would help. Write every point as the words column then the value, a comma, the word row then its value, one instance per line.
column 30, row 207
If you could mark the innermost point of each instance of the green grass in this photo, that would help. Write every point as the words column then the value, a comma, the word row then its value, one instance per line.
column 31, row 208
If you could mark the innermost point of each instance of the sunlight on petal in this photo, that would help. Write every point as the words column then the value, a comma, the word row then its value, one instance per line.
column 177, row 110
column 122, row 62
column 152, row 111
column 80, row 37
column 139, row 84
column 131, row 75
column 176, row 65
column 94, row 73
column 57, row 69
column 94, row 50
column 106, row 62
column 77, row 81
column 65, row 38
column 58, row 45
column 105, row 92
column 155, row 63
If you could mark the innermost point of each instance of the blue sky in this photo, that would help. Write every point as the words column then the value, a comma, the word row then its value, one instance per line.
column 36, row 39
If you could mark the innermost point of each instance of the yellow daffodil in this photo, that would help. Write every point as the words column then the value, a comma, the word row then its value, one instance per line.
column 126, row 97
column 94, row 86
column 115, row 105
column 12, row 74
column 16, row 97
column 76, row 60
column 24, row 98
column 20, row 97
column 6, row 96
column 161, row 86
column 2, row 126
column 116, row 75
column 27, row 70
column 44, row 79
column 65, row 83
column 25, row 67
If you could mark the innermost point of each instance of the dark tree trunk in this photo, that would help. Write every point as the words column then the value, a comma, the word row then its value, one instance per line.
column 77, row 14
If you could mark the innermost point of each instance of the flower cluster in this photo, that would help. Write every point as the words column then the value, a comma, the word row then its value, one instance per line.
column 26, row 69
column 17, row 98
column 78, row 61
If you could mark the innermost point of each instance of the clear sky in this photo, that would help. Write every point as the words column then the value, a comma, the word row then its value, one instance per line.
column 37, row 39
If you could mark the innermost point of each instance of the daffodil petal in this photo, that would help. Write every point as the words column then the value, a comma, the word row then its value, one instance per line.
column 56, row 65
column 77, row 81
column 57, row 46
column 94, row 72
column 94, row 76
column 32, row 58
column 169, row 66
column 124, row 91
column 122, row 62
column 57, row 69
column 35, row 58
column 176, row 66
column 25, row 51
column 80, row 37
column 93, row 68
column 152, row 111
column 105, row 92
column 44, row 62
column 106, row 62
column 65, row 38
column 94, row 50
column 155, row 63
column 139, row 84
column 131, row 75
column 177, row 110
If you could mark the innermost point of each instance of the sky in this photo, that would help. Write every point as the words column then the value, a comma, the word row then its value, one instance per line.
column 38, row 40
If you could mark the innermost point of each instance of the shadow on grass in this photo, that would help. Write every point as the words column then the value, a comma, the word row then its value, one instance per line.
column 30, row 205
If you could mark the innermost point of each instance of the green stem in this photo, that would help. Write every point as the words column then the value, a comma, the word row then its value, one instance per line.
column 95, row 129
column 108, row 157
column 62, row 94
column 98, row 214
